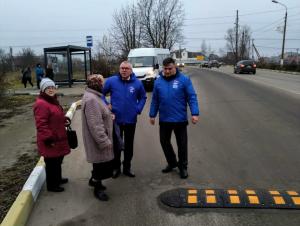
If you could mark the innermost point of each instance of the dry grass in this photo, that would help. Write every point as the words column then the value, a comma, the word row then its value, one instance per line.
column 13, row 178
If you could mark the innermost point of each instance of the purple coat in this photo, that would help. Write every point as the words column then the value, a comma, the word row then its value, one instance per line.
column 97, row 127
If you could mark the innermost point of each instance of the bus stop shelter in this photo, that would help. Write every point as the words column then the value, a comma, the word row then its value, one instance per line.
column 70, row 63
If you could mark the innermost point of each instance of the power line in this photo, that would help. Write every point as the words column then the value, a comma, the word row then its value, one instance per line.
column 275, row 22
column 271, row 47
column 206, row 24
column 45, row 44
column 56, row 30
column 246, row 14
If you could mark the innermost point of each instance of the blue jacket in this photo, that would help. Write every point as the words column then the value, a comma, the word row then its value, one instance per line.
column 126, row 97
column 171, row 96
column 39, row 72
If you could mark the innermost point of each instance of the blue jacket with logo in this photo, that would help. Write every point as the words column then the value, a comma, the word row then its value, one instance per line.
column 171, row 96
column 127, row 97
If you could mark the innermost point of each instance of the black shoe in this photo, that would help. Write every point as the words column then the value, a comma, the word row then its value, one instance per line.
column 183, row 173
column 128, row 173
column 64, row 180
column 93, row 183
column 168, row 169
column 99, row 194
column 116, row 173
column 56, row 189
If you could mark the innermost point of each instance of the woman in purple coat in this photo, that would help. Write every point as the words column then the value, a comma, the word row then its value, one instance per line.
column 97, row 132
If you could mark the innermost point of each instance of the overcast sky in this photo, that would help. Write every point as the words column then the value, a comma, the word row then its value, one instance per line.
column 43, row 23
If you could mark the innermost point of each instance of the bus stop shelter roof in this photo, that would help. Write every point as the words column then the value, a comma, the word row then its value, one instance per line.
column 65, row 48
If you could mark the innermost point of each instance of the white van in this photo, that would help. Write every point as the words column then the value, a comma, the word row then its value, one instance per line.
column 146, row 63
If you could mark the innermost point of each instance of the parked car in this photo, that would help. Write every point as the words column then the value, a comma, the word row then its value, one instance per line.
column 180, row 64
column 213, row 63
column 245, row 66
column 204, row 63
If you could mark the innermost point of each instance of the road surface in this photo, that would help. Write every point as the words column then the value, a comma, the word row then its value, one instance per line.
column 248, row 136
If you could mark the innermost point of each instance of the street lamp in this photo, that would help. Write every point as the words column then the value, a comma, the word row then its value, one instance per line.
column 284, row 30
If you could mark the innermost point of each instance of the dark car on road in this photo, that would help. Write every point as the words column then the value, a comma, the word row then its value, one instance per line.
column 213, row 63
column 245, row 66
column 204, row 63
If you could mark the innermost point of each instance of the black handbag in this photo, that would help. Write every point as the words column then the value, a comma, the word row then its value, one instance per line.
column 72, row 138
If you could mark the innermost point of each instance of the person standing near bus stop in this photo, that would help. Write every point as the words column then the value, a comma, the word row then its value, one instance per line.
column 39, row 72
column 171, row 93
column 127, row 99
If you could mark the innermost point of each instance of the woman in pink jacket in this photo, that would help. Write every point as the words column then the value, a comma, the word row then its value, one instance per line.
column 51, row 134
column 97, row 132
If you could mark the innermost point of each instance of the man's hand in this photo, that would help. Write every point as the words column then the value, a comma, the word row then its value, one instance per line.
column 109, row 106
column 152, row 121
column 195, row 119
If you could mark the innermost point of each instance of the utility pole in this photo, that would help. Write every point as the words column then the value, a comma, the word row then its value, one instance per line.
column 12, row 64
column 284, row 30
column 297, row 56
column 179, row 53
column 249, row 49
column 252, row 49
column 237, row 36
column 283, row 42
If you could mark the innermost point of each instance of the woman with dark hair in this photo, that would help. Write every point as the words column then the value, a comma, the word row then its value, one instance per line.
column 97, row 132
column 51, row 134
column 49, row 72
column 26, row 77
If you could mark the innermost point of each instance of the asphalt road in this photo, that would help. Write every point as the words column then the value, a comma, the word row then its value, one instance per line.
column 248, row 137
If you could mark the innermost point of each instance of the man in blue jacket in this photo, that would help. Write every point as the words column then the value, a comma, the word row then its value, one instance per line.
column 39, row 72
column 127, row 99
column 171, row 94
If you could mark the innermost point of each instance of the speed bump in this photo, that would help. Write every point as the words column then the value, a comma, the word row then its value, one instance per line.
column 231, row 198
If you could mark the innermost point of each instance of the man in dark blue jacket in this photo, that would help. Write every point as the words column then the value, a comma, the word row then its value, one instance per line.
column 127, row 98
column 171, row 94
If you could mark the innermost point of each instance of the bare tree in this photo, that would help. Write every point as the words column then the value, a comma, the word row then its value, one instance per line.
column 161, row 22
column 106, row 58
column 4, row 68
column 243, row 42
column 27, row 57
column 204, row 47
column 126, row 30
column 108, row 49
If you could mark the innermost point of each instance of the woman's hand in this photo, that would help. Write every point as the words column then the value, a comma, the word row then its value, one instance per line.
column 67, row 121
column 113, row 117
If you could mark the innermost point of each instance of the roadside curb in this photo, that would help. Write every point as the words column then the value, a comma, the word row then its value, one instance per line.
column 287, row 72
column 20, row 210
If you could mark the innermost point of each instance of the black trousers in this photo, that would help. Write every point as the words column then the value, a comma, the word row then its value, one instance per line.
column 180, row 130
column 127, row 132
column 27, row 80
column 53, row 171
column 38, row 81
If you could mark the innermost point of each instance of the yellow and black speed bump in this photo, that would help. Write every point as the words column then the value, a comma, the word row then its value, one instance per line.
column 231, row 198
